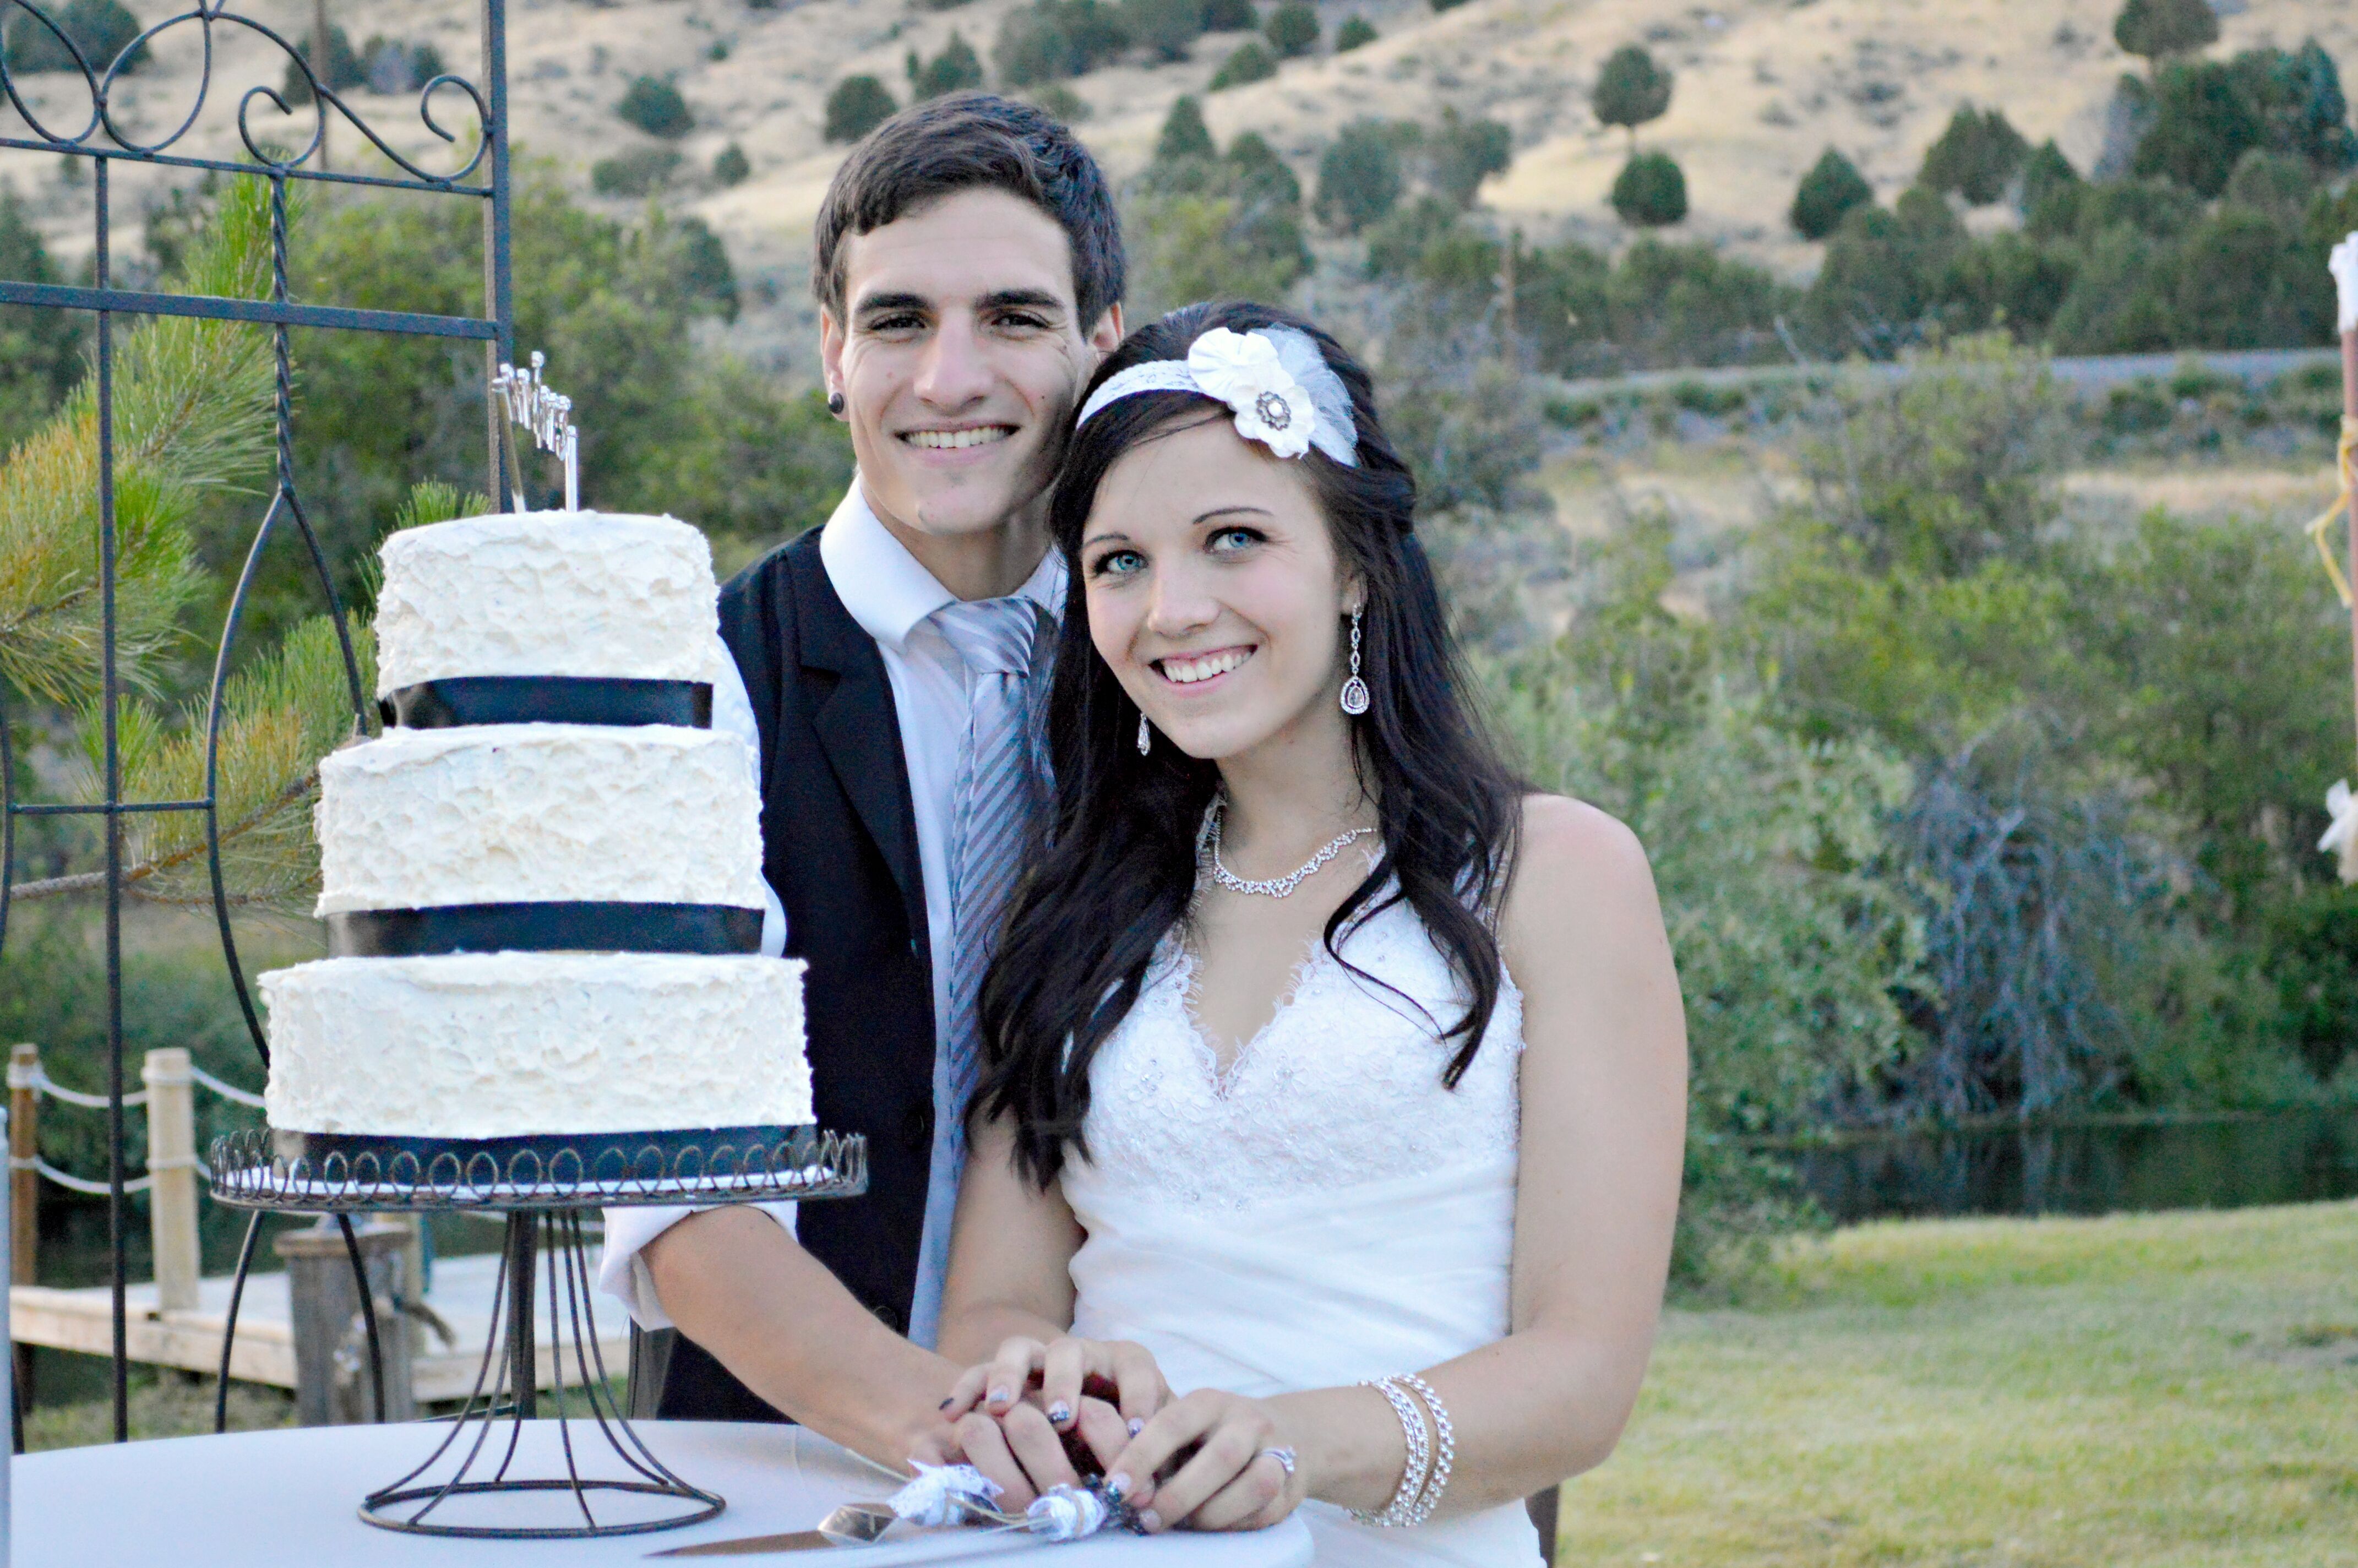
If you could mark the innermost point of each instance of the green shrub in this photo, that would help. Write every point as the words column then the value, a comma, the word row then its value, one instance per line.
column 1061, row 102
column 1831, row 187
column 706, row 281
column 1976, row 157
column 954, row 70
column 2276, row 184
column 1631, row 90
column 1359, row 176
column 343, row 73
column 1464, row 153
column 2045, row 174
column 2297, row 100
column 1650, row 192
column 1883, row 272
column 1163, row 28
column 1231, row 16
column 1051, row 40
column 730, row 167
column 2010, row 281
column 856, row 107
column 395, row 65
column 640, row 171
column 655, row 106
column 102, row 29
column 1183, row 134
column 1249, row 63
column 2156, row 30
column 2201, row 126
column 1207, row 227
column 1293, row 30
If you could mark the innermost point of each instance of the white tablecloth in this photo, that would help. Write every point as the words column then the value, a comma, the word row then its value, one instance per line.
column 259, row 1498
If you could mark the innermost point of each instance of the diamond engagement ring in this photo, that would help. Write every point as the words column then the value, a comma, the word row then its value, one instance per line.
column 1283, row 1455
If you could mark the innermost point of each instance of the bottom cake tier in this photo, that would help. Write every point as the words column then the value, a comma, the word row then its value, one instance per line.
column 496, row 1044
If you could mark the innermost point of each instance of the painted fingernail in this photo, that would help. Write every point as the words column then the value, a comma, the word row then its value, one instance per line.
column 1059, row 1413
column 1002, row 1396
column 1150, row 1520
column 1136, row 1426
column 946, row 1403
column 1118, row 1484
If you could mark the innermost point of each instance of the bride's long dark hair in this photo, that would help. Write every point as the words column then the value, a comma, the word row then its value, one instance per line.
column 1121, row 865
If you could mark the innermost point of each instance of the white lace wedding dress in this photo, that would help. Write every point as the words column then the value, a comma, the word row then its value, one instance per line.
column 1323, row 1211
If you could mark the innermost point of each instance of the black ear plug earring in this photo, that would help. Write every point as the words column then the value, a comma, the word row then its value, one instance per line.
column 835, row 403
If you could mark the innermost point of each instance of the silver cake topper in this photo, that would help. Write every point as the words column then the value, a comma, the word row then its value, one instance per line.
column 549, row 418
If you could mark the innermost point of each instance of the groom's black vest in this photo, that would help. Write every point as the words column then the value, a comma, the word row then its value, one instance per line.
column 839, row 844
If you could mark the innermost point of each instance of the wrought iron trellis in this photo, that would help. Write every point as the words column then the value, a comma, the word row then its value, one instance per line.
column 100, row 137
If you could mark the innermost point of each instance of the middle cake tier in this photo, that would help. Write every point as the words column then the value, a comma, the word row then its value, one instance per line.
column 539, row 813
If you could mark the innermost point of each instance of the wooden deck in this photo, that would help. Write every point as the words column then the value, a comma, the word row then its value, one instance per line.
column 461, row 1296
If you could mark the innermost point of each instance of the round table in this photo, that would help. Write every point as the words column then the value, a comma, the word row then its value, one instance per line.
column 256, row 1498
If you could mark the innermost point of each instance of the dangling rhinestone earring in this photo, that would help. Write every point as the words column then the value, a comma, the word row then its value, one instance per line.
column 1355, row 690
column 1144, row 740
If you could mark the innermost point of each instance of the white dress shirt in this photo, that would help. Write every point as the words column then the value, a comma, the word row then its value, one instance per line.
column 893, row 596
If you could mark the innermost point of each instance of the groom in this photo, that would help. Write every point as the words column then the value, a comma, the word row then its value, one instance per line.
column 968, row 269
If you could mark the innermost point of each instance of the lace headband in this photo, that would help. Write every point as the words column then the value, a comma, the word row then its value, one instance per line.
column 1281, row 389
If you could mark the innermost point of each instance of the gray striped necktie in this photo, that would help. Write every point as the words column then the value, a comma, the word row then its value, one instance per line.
column 998, row 808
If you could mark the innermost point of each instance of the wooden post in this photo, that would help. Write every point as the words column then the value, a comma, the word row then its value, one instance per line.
column 24, row 1198
column 24, row 1144
column 331, row 1371
column 172, row 1160
column 2343, row 264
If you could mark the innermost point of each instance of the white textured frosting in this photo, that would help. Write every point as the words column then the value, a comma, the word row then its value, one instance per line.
column 497, row 1044
column 547, row 593
column 535, row 813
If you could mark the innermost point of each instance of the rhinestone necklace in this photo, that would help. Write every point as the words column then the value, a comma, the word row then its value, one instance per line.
column 1274, row 887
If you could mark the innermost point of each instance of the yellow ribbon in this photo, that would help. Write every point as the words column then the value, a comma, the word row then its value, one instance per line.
column 2345, row 463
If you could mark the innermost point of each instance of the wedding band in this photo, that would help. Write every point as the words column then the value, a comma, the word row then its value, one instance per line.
column 1283, row 1455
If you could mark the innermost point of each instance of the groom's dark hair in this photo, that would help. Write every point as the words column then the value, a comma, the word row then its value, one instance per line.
column 966, row 141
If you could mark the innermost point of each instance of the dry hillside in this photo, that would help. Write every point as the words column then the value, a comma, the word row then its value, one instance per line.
column 1763, row 85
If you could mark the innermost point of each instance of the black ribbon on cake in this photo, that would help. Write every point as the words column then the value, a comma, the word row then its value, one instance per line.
column 548, row 699
column 708, row 928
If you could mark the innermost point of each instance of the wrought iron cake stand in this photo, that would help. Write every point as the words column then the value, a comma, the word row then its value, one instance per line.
column 540, row 1186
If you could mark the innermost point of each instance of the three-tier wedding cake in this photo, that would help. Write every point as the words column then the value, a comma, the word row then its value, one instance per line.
column 541, row 927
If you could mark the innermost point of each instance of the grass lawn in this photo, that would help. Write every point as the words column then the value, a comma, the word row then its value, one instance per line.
column 2164, row 1389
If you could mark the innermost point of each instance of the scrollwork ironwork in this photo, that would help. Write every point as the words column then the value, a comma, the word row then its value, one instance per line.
column 103, row 135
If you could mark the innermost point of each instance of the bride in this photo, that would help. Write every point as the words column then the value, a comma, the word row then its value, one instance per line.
column 1332, row 1113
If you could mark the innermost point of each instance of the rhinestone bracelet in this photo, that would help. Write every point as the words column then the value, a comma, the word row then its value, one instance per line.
column 1418, row 1468
column 1444, row 1448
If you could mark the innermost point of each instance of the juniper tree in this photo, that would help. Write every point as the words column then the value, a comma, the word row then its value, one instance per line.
column 1631, row 91
column 1832, row 188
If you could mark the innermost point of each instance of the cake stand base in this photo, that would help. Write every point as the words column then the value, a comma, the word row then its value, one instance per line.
column 540, row 1186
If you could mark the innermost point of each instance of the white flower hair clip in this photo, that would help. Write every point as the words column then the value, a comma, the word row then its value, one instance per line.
column 1277, row 385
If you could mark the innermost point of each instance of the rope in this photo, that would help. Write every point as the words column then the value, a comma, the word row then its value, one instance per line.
column 226, row 1091
column 74, row 1183
column 39, row 1082
column 2345, row 464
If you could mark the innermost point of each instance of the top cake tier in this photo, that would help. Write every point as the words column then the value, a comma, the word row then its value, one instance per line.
column 547, row 593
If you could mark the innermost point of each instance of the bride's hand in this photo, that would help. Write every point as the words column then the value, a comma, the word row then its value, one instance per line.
column 1063, row 1370
column 1234, row 1478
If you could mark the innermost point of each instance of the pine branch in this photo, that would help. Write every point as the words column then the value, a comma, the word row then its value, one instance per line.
column 192, row 405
